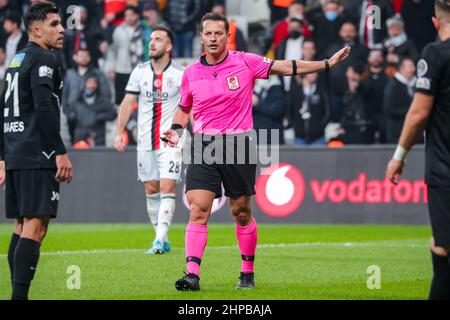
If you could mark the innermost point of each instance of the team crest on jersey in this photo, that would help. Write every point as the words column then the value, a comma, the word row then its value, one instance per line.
column 17, row 60
column 233, row 82
column 157, row 83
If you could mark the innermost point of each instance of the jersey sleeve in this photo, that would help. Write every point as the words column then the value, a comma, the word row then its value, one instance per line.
column 133, row 86
column 429, row 71
column 43, row 70
column 260, row 66
column 185, row 93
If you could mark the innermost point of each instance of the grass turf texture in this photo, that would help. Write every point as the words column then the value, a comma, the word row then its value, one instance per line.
column 292, row 262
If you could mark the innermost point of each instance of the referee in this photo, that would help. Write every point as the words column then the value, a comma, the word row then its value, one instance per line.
column 430, row 111
column 33, row 157
column 218, row 89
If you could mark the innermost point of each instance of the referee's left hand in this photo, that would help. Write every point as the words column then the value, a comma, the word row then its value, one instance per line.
column 339, row 56
column 64, row 171
column 394, row 169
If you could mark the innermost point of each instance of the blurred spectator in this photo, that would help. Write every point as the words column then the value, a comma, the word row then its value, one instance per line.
column 73, row 86
column 291, row 48
column 308, row 110
column 125, row 52
column 92, row 109
column 237, row 41
column 397, row 45
column 113, row 13
column 278, row 9
column 370, row 34
column 151, row 18
column 397, row 5
column 397, row 99
column 348, row 36
column 182, row 16
column 356, row 121
column 3, row 67
column 268, row 108
column 308, row 50
column 373, row 91
column 81, row 36
column 417, row 15
column 281, row 31
column 6, row 7
column 326, row 25
column 16, row 39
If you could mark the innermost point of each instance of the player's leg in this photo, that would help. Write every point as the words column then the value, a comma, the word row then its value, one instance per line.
column 152, row 195
column 26, row 255
column 166, row 211
column 440, row 284
column 247, row 236
column 12, row 246
column 170, row 166
column 149, row 175
column 200, row 204
column 439, row 209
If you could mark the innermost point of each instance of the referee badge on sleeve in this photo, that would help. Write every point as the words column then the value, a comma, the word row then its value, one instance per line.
column 233, row 82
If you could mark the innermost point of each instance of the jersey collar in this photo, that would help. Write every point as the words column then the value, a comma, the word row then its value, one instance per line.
column 205, row 63
column 165, row 68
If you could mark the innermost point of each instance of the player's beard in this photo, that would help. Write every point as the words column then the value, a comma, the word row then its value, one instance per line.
column 157, row 56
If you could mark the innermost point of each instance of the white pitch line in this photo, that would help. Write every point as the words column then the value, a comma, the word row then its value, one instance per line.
column 260, row 246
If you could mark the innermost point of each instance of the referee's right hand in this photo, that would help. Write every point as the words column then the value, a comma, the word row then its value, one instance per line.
column 172, row 138
column 64, row 171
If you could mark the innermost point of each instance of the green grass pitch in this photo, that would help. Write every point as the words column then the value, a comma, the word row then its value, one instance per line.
column 292, row 262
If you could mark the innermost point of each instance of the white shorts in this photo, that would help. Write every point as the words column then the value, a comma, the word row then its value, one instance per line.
column 154, row 165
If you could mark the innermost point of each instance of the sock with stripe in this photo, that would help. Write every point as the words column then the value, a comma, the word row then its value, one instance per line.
column 247, row 238
column 195, row 241
column 153, row 203
column 12, row 248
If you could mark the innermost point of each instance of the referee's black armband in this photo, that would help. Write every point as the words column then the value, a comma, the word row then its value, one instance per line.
column 178, row 128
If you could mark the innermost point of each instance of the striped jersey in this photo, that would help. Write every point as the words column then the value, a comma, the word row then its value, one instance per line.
column 159, row 95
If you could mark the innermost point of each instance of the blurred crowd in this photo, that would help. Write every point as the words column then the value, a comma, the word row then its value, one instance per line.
column 362, row 101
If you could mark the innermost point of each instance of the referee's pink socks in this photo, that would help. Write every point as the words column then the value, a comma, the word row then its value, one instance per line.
column 247, row 237
column 195, row 241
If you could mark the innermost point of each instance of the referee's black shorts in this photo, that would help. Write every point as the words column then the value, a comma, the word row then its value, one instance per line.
column 439, row 209
column 31, row 193
column 236, row 171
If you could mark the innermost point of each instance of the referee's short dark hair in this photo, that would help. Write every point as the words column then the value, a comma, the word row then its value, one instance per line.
column 38, row 12
column 166, row 30
column 215, row 17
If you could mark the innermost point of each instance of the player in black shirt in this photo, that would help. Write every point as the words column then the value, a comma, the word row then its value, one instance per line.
column 33, row 157
column 430, row 111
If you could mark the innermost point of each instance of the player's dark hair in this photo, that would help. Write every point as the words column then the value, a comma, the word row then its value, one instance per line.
column 215, row 17
column 38, row 12
column 166, row 30
column 14, row 17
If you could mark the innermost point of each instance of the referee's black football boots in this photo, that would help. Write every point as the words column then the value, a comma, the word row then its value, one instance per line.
column 246, row 281
column 190, row 282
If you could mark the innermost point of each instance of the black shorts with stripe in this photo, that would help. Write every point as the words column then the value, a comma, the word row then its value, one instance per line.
column 31, row 193
column 229, row 160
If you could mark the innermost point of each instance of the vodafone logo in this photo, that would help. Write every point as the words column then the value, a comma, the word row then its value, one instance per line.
column 280, row 190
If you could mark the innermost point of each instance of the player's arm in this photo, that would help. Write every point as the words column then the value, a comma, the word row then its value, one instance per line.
column 415, row 123
column 122, row 119
column 42, row 83
column 299, row 67
column 2, row 143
